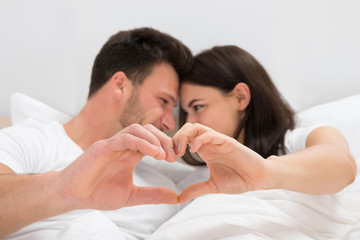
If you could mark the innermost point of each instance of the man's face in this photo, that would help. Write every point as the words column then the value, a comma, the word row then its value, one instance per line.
column 153, row 101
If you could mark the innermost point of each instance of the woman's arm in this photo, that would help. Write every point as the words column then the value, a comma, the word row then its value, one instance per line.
column 325, row 166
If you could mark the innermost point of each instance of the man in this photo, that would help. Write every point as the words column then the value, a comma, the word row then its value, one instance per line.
column 48, row 170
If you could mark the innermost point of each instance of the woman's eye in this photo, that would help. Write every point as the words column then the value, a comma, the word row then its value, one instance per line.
column 197, row 107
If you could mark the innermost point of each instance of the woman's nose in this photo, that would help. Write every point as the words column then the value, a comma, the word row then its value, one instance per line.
column 190, row 119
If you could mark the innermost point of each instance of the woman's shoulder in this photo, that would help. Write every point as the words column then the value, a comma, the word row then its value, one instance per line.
column 295, row 139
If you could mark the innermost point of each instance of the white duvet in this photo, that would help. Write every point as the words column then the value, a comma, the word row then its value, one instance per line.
column 272, row 214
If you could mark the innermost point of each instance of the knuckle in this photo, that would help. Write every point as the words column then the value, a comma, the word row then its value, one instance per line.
column 100, row 144
column 148, row 125
column 97, row 148
column 134, row 126
column 188, row 124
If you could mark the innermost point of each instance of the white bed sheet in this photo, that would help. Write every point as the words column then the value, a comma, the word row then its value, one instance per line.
column 273, row 214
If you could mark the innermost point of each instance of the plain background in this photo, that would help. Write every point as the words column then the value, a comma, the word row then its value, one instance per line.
column 311, row 48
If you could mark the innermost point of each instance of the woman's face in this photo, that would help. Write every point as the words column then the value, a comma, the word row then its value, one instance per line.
column 209, row 106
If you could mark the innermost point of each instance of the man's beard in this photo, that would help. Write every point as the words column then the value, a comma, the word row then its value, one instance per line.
column 133, row 112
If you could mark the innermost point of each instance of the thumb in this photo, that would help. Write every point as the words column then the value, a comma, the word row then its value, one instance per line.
column 152, row 195
column 196, row 190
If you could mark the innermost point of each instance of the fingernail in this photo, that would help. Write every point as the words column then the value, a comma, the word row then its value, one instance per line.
column 161, row 149
column 171, row 155
column 172, row 150
column 179, row 148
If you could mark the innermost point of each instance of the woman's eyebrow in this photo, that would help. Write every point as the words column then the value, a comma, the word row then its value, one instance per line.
column 193, row 101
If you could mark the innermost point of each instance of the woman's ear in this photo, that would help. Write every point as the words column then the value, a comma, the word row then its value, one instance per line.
column 119, row 82
column 242, row 96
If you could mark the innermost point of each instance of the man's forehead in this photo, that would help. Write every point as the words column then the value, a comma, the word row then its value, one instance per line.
column 161, row 88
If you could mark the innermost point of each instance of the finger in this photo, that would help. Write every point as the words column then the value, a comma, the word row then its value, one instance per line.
column 210, row 137
column 119, row 141
column 180, row 143
column 152, row 195
column 183, row 128
column 141, row 132
column 128, row 141
column 196, row 190
column 165, row 141
column 187, row 134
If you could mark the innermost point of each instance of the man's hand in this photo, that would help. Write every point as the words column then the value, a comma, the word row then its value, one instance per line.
column 102, row 177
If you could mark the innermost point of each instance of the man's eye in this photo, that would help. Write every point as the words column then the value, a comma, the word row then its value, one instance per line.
column 164, row 101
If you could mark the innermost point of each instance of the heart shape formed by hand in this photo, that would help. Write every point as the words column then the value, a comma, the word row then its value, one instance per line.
column 233, row 167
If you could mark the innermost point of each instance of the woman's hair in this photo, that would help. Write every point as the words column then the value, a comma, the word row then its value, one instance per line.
column 267, row 117
column 135, row 52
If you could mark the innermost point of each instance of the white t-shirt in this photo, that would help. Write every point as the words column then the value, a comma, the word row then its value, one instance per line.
column 34, row 147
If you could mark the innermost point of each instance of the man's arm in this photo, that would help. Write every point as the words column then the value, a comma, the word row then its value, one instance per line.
column 25, row 199
column 101, row 178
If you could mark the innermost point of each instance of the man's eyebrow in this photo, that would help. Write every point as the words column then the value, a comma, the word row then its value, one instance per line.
column 172, row 99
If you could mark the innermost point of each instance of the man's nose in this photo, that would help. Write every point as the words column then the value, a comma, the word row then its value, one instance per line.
column 168, row 121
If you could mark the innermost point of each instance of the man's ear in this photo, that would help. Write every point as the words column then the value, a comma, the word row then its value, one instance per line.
column 242, row 95
column 119, row 83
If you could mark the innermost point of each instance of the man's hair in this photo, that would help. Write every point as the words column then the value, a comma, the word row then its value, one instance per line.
column 135, row 52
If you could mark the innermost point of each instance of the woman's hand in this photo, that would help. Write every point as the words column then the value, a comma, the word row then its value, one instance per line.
column 234, row 168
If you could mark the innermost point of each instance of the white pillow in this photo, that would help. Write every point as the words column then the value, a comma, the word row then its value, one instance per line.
column 23, row 107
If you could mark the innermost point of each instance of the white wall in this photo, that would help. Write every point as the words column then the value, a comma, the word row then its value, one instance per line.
column 311, row 48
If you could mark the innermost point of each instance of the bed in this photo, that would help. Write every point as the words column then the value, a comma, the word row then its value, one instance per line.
column 279, row 214
column 271, row 214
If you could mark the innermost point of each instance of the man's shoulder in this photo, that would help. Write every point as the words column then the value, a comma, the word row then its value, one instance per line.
column 30, row 130
column 33, row 146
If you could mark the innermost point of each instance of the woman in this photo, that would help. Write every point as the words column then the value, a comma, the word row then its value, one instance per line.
column 245, row 132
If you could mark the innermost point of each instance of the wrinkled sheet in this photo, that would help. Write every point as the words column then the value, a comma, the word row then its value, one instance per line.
column 91, row 226
column 271, row 214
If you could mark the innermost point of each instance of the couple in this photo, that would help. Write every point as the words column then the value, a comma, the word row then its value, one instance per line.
column 231, row 115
